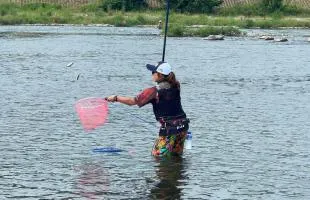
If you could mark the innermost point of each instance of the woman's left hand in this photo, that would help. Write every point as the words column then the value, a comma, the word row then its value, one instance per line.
column 111, row 98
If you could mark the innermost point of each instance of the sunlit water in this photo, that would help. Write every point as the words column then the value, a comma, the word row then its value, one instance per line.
column 248, row 101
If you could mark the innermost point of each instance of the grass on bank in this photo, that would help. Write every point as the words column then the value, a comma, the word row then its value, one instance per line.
column 180, row 23
column 11, row 14
column 256, row 9
column 176, row 30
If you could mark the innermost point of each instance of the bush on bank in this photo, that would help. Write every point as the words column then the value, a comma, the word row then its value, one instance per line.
column 264, row 8
column 177, row 30
column 124, row 5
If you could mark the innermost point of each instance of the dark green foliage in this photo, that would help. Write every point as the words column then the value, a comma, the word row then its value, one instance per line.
column 248, row 23
column 37, row 6
column 8, row 9
column 125, row 5
column 195, row 6
column 271, row 6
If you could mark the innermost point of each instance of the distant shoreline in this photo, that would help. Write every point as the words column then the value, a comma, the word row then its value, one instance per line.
column 180, row 24
column 189, row 32
column 141, row 26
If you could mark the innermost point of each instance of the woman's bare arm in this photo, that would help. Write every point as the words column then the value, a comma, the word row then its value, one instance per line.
column 130, row 101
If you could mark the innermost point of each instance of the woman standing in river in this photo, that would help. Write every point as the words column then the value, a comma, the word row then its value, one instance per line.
column 166, row 101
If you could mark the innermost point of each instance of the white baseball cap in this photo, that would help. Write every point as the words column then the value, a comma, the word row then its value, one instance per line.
column 162, row 68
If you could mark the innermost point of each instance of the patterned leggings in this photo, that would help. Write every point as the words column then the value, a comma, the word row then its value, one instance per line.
column 168, row 146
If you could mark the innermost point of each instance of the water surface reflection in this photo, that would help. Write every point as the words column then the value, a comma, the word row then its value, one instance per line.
column 171, row 173
column 93, row 181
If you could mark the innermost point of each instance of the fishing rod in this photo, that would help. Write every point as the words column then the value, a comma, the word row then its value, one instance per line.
column 163, row 58
column 166, row 29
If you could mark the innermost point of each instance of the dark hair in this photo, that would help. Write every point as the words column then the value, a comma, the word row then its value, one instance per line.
column 171, row 79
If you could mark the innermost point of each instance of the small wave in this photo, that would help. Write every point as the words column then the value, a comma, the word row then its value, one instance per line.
column 9, row 35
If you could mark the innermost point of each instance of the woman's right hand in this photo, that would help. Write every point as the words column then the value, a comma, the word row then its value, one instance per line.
column 111, row 98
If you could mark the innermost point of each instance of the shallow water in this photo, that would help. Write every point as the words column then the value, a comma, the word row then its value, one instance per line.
column 248, row 101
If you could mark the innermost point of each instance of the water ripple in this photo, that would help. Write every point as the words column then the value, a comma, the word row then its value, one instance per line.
column 247, row 101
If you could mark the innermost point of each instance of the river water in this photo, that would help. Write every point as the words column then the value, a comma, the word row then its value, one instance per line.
column 248, row 101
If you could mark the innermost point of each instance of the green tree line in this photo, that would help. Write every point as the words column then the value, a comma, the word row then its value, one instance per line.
column 187, row 6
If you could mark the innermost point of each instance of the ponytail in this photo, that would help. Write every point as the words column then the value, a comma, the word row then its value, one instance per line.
column 172, row 80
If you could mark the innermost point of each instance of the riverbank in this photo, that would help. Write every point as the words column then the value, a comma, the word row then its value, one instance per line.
column 180, row 24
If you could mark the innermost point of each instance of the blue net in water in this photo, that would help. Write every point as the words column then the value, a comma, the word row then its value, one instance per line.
column 107, row 150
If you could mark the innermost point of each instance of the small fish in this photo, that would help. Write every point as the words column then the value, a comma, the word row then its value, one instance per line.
column 70, row 64
column 77, row 78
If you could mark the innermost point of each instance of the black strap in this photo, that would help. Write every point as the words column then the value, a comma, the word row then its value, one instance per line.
column 174, row 127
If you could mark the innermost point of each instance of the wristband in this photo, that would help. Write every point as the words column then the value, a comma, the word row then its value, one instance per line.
column 115, row 98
